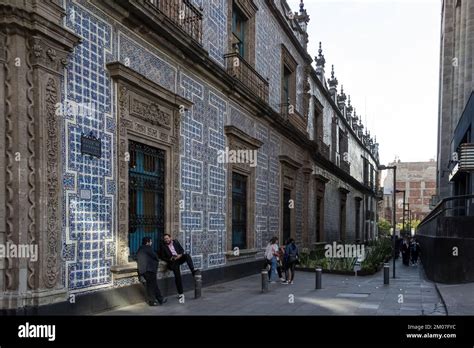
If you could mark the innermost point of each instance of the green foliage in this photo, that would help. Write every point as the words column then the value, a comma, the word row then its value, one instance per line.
column 377, row 253
column 384, row 227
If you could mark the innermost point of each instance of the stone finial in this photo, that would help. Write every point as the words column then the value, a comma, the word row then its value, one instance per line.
column 349, row 107
column 303, row 17
column 333, row 80
column 320, row 60
column 341, row 99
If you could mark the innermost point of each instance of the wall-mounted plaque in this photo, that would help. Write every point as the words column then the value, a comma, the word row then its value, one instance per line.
column 91, row 145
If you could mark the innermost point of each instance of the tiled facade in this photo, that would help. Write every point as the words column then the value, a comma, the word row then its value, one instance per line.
column 90, row 189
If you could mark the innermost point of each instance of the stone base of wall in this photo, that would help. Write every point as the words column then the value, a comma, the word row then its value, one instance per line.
column 12, row 301
column 99, row 301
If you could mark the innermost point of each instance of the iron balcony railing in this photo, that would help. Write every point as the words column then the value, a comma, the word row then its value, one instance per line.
column 182, row 13
column 341, row 163
column 243, row 71
column 323, row 148
column 285, row 110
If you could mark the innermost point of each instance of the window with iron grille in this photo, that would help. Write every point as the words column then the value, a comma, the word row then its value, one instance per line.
column 146, row 195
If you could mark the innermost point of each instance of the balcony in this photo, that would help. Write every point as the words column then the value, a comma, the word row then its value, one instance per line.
column 323, row 149
column 341, row 163
column 238, row 68
column 183, row 14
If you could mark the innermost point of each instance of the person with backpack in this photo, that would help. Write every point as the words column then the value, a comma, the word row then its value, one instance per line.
column 291, row 260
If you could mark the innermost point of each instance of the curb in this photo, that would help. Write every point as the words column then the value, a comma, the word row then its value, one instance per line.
column 442, row 299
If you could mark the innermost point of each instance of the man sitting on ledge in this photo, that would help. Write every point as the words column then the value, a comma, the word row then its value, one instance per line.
column 173, row 254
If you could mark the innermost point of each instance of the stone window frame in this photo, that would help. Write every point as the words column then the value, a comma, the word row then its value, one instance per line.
column 289, row 175
column 237, row 139
column 343, row 218
column 320, row 192
column 149, row 114
column 288, row 62
column 318, row 120
column 358, row 218
column 248, row 10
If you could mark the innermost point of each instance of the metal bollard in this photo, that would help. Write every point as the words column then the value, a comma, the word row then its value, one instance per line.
column 386, row 273
column 197, row 284
column 264, row 280
column 319, row 272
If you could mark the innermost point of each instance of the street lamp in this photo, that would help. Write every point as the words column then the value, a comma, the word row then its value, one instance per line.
column 394, row 168
column 408, row 216
column 404, row 196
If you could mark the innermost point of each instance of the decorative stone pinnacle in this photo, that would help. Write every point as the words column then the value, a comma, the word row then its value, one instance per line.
column 303, row 16
column 341, row 99
column 320, row 60
column 349, row 106
column 333, row 80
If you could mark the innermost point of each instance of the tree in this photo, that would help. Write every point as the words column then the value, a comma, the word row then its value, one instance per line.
column 384, row 227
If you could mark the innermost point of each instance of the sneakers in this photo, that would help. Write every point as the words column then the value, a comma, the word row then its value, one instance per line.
column 285, row 282
column 282, row 279
column 180, row 296
column 163, row 300
column 291, row 283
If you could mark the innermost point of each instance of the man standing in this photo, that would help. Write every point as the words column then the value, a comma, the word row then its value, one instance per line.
column 173, row 254
column 147, row 272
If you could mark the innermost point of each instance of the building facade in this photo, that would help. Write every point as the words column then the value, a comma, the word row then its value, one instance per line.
column 447, row 231
column 418, row 180
column 456, row 86
column 208, row 120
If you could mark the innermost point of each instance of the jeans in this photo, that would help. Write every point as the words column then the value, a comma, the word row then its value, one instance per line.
column 272, row 273
column 175, row 267
column 290, row 270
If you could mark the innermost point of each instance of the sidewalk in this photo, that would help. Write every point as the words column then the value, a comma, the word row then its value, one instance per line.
column 341, row 295
column 459, row 298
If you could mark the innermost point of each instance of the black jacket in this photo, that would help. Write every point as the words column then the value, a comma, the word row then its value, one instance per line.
column 147, row 260
column 165, row 253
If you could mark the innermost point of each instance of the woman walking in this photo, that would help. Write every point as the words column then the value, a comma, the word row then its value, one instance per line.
column 291, row 259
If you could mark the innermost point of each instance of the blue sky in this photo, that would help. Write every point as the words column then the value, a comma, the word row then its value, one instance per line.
column 386, row 54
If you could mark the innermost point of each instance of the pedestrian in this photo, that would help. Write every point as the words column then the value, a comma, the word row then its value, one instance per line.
column 414, row 250
column 281, row 262
column 147, row 262
column 406, row 252
column 291, row 260
column 271, row 253
column 173, row 254
column 397, row 247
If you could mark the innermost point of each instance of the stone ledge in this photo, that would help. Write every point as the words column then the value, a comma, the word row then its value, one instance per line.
column 243, row 254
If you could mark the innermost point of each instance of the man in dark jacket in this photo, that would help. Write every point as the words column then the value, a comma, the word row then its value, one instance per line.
column 173, row 254
column 147, row 270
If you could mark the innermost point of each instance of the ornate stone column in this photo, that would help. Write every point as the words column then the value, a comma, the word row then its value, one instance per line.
column 33, row 51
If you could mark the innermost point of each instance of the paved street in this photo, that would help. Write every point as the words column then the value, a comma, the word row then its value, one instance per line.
column 341, row 295
column 459, row 298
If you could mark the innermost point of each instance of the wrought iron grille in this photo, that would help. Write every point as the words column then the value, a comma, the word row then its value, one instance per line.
column 146, row 195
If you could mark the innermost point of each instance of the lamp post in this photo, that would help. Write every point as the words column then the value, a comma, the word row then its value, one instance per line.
column 408, row 216
column 394, row 168
column 404, row 196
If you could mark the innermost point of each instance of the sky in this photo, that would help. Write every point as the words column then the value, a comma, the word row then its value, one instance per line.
column 386, row 55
